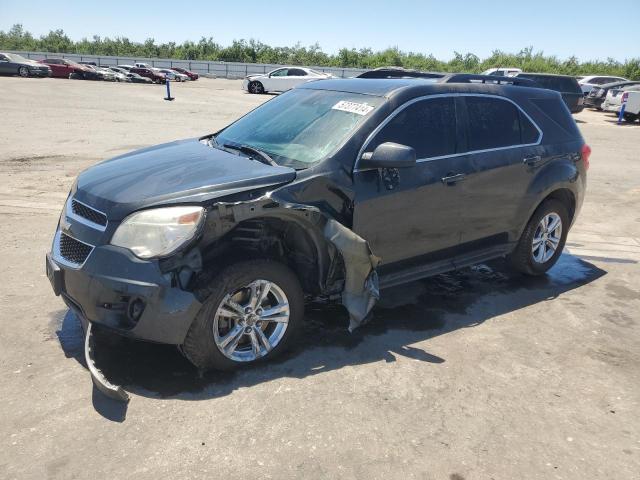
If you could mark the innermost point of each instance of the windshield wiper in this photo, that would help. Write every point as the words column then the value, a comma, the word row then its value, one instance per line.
column 253, row 152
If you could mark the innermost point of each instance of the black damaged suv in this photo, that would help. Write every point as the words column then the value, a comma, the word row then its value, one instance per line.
column 329, row 192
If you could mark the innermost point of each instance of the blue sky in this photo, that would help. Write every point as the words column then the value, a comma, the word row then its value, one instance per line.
column 586, row 28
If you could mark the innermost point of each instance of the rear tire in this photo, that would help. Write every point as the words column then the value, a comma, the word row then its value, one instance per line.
column 256, row 87
column 211, row 342
column 542, row 240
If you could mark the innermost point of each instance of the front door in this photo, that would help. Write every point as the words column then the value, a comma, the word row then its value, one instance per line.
column 414, row 211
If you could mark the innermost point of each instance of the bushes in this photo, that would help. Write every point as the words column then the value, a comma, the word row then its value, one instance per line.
column 257, row 52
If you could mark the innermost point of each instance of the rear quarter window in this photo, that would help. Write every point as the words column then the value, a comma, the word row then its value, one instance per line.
column 558, row 113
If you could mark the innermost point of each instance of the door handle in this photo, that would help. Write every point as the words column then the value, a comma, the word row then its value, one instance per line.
column 452, row 179
column 532, row 161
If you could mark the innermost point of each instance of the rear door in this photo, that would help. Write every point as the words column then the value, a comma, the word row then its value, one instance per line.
column 408, row 212
column 504, row 148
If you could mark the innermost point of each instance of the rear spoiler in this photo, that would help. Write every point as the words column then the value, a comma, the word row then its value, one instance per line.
column 474, row 78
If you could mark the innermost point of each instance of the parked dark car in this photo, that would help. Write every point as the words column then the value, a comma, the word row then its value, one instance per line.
column 568, row 87
column 597, row 95
column 398, row 72
column 14, row 64
column 191, row 75
column 154, row 75
column 135, row 78
column 64, row 68
column 326, row 193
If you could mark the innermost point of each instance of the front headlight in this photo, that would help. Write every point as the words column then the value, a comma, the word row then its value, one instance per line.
column 158, row 232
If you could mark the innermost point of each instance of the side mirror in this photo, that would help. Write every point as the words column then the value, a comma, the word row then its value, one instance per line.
column 389, row 155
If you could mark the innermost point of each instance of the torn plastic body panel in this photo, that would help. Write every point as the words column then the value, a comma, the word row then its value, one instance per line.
column 361, row 279
column 112, row 391
column 332, row 245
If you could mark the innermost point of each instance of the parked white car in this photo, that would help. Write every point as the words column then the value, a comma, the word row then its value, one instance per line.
column 173, row 75
column 590, row 81
column 503, row 71
column 615, row 97
column 281, row 79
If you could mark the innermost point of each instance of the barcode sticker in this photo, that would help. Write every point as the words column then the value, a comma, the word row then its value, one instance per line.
column 352, row 107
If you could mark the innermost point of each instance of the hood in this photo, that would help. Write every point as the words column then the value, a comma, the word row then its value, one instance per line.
column 179, row 172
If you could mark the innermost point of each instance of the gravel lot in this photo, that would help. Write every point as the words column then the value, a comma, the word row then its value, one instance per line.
column 472, row 375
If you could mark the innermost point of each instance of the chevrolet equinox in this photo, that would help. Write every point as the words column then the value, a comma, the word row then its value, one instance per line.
column 330, row 192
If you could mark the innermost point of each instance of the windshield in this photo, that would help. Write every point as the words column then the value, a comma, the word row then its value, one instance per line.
column 301, row 127
column 16, row 58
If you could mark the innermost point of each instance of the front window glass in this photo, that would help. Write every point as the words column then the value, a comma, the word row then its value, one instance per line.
column 301, row 127
column 279, row 73
column 429, row 126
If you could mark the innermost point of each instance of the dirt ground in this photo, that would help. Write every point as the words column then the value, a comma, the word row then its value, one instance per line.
column 473, row 375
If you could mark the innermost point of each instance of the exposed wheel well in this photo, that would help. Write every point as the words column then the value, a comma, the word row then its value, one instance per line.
column 277, row 239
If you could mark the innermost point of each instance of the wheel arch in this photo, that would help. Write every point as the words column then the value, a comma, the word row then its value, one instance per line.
column 562, row 193
column 291, row 237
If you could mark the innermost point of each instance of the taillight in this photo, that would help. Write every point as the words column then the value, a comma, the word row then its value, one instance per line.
column 625, row 95
column 585, row 153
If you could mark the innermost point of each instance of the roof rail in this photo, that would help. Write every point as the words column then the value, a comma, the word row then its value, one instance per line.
column 399, row 72
column 474, row 78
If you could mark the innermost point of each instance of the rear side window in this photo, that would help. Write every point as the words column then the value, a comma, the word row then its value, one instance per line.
column 528, row 132
column 296, row 72
column 429, row 126
column 493, row 123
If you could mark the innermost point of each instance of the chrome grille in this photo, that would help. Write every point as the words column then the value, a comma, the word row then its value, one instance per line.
column 72, row 250
column 88, row 213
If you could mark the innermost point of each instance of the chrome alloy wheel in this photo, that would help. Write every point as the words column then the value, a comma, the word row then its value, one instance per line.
column 254, row 87
column 546, row 238
column 251, row 321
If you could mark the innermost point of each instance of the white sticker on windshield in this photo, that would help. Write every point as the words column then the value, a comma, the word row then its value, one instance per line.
column 352, row 107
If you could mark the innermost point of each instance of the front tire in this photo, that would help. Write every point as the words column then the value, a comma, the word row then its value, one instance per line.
column 23, row 72
column 251, row 313
column 543, row 239
column 256, row 87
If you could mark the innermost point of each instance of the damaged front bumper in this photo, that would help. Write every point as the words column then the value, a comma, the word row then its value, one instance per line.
column 129, row 296
column 144, row 305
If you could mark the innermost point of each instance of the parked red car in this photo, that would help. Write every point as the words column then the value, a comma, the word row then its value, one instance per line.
column 191, row 75
column 63, row 68
column 154, row 75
